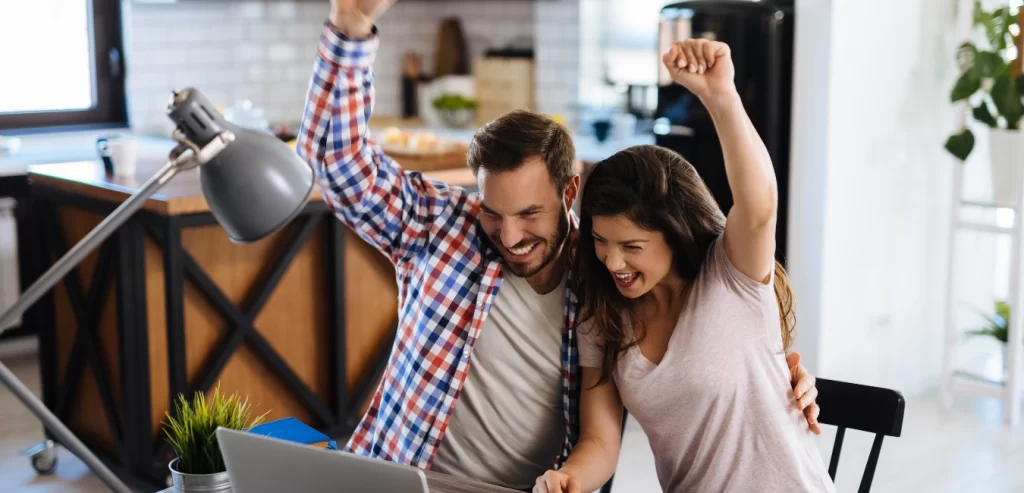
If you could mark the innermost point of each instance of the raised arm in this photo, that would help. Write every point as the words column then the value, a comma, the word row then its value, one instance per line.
column 592, row 462
column 705, row 68
column 387, row 206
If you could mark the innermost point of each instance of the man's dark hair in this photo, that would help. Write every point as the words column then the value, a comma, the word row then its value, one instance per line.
column 505, row 143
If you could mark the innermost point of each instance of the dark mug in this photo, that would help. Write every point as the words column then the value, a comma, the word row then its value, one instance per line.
column 103, row 150
column 601, row 128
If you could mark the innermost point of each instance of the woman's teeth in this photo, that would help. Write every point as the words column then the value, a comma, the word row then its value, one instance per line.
column 519, row 252
column 626, row 278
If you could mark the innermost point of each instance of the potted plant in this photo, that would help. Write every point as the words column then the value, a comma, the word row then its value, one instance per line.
column 455, row 110
column 997, row 326
column 991, row 84
column 198, row 465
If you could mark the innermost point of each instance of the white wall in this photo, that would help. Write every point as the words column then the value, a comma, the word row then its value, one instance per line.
column 263, row 50
column 809, row 177
column 871, row 188
column 557, row 36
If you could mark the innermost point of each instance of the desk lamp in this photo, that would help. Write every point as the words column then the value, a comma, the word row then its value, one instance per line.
column 253, row 182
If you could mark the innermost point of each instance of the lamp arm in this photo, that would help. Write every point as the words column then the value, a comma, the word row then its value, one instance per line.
column 180, row 159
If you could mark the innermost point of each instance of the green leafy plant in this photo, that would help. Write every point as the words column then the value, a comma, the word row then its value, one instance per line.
column 454, row 102
column 990, row 79
column 998, row 323
column 193, row 432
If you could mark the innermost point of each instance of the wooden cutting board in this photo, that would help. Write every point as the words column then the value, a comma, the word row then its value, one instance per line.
column 451, row 56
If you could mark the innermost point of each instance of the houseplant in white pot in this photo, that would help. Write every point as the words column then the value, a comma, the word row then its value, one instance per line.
column 997, row 326
column 198, row 465
column 991, row 83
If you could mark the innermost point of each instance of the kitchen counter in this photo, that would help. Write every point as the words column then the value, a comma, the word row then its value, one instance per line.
column 301, row 322
column 81, row 146
column 182, row 194
column 588, row 149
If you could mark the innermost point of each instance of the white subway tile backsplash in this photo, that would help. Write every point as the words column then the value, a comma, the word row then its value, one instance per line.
column 282, row 10
column 264, row 50
column 256, row 72
column 282, row 52
column 302, row 32
column 250, row 52
column 250, row 10
column 264, row 31
column 231, row 32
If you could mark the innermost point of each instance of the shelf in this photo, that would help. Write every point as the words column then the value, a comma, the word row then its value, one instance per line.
column 988, row 205
column 968, row 383
column 987, row 228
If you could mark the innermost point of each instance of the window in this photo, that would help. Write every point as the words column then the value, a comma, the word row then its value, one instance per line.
column 62, row 63
column 631, row 41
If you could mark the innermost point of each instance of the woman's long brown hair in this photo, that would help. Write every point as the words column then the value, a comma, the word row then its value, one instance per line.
column 658, row 190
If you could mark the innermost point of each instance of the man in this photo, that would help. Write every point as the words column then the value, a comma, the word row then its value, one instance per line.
column 482, row 277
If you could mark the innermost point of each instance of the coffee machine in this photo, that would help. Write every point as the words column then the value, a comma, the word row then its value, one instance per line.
column 760, row 37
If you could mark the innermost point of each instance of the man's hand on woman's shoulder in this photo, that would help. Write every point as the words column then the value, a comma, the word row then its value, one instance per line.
column 804, row 391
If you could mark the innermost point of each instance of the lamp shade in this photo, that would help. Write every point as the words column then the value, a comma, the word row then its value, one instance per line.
column 257, row 184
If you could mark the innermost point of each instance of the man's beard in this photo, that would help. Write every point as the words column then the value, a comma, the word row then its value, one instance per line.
column 554, row 246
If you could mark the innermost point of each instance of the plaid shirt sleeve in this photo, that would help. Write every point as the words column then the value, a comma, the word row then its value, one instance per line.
column 385, row 205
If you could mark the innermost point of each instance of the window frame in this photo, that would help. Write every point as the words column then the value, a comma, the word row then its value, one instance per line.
column 111, row 108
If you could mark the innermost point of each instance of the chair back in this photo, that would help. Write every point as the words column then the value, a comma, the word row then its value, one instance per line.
column 859, row 407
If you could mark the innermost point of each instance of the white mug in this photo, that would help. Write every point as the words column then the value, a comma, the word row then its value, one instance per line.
column 119, row 154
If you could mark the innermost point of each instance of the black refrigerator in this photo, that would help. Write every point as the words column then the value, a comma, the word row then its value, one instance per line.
column 760, row 36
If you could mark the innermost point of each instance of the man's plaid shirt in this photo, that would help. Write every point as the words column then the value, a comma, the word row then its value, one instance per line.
column 448, row 273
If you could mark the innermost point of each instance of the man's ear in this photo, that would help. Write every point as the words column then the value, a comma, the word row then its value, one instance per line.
column 572, row 190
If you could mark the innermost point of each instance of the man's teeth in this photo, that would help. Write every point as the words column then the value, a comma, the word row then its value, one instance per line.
column 519, row 252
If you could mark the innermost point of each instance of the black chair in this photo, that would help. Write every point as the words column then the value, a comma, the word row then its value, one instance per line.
column 859, row 407
column 848, row 405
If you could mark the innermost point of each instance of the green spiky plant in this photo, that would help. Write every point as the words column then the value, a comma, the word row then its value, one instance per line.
column 990, row 77
column 192, row 433
column 453, row 102
column 998, row 323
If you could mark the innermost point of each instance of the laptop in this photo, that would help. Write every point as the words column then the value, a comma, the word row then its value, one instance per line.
column 261, row 464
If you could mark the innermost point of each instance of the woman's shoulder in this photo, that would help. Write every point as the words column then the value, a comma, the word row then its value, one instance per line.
column 591, row 341
column 719, row 276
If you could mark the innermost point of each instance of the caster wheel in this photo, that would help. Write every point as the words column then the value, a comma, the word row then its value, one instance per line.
column 43, row 457
column 45, row 464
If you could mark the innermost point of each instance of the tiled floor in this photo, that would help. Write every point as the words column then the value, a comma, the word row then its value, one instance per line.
column 966, row 449
column 20, row 430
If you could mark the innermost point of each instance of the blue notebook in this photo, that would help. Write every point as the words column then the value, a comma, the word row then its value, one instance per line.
column 293, row 430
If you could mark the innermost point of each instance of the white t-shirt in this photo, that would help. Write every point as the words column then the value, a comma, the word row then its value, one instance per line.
column 508, row 425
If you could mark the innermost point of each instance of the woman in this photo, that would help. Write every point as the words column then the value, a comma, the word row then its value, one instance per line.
column 687, row 315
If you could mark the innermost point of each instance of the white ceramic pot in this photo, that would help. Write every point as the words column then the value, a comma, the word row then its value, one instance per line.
column 449, row 84
column 1006, row 161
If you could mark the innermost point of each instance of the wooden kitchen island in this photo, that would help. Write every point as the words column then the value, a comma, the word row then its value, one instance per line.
column 301, row 322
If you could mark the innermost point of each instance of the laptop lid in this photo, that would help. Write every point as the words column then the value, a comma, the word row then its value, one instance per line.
column 260, row 464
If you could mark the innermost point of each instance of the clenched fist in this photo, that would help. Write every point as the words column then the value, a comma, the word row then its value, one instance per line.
column 556, row 482
column 355, row 18
column 702, row 66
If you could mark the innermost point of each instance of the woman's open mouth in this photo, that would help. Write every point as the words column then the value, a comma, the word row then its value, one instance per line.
column 626, row 280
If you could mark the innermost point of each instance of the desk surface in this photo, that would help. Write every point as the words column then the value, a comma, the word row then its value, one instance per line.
column 440, row 483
